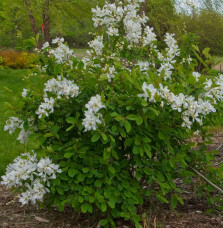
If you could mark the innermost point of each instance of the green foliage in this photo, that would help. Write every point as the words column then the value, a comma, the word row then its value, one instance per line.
column 207, row 25
column 162, row 16
column 70, row 19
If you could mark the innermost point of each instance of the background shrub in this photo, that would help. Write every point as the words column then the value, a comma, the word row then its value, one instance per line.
column 18, row 60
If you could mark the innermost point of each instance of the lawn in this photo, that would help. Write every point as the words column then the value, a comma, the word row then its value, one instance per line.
column 80, row 53
column 9, row 146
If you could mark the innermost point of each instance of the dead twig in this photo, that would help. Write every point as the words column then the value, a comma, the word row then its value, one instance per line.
column 208, row 181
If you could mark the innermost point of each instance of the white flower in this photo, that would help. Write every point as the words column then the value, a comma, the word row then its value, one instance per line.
column 24, row 136
column 196, row 75
column 24, row 92
column 46, row 107
column 45, row 45
column 111, row 73
column 57, row 40
column 112, row 31
column 47, row 169
column 95, row 104
column 12, row 124
column 149, row 37
column 92, row 117
column 144, row 66
column 152, row 90
column 97, row 45
column 91, row 120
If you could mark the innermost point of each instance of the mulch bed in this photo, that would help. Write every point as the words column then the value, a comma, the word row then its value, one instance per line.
column 191, row 215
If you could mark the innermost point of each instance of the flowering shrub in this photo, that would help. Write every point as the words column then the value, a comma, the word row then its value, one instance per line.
column 18, row 60
column 117, row 123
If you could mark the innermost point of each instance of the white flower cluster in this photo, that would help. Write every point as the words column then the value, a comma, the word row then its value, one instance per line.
column 192, row 110
column 133, row 22
column 214, row 90
column 13, row 123
column 111, row 15
column 97, row 44
column 167, row 62
column 111, row 74
column 92, row 117
column 59, row 87
column 31, row 175
column 62, row 87
column 143, row 66
column 46, row 107
column 63, row 54
column 149, row 37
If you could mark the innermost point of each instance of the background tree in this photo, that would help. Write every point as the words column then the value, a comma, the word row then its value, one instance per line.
column 162, row 14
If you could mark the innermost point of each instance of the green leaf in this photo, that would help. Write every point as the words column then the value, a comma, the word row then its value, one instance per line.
column 70, row 128
column 104, row 222
column 72, row 172
column 127, row 126
column 95, row 137
column 60, row 191
column 84, row 208
column 98, row 183
column 156, row 112
column 173, row 202
column 180, row 199
column 103, row 207
column 144, row 103
column 162, row 198
column 104, row 136
column 68, row 155
column 111, row 170
column 89, row 207
column 131, row 117
column 114, row 114
column 85, row 170
column 103, row 77
column 162, row 135
column 80, row 199
column 139, row 120
column 71, row 120
column 48, row 135
column 106, row 154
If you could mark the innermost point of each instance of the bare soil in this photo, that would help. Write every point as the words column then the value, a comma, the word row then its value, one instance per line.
column 191, row 215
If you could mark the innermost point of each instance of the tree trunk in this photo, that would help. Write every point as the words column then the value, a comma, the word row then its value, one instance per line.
column 46, row 21
column 143, row 8
column 32, row 20
column 112, row 1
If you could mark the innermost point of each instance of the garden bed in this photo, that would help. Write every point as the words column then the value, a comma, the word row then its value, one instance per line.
column 192, row 214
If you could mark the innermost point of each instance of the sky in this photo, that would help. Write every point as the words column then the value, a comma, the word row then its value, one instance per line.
column 188, row 4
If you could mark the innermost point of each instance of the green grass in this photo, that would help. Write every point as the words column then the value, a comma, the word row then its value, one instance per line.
column 218, row 59
column 9, row 146
column 80, row 53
